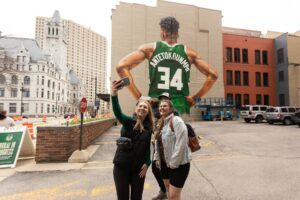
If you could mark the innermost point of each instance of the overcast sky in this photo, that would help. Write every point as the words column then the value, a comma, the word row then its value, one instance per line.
column 17, row 17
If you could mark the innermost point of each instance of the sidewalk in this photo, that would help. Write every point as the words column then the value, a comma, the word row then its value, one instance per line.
column 29, row 165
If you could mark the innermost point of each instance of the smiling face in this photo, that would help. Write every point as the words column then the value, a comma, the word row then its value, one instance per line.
column 165, row 108
column 142, row 109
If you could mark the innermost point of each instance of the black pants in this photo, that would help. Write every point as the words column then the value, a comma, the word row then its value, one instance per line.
column 128, row 180
column 157, row 174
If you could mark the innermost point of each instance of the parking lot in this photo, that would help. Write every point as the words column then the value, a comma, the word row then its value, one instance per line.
column 238, row 161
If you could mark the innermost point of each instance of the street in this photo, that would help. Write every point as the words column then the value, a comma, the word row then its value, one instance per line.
column 238, row 161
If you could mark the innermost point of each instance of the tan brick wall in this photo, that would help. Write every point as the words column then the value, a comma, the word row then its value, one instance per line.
column 56, row 144
column 200, row 29
column 294, row 69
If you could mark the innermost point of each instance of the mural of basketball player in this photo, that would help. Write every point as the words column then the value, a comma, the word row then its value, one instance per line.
column 169, row 68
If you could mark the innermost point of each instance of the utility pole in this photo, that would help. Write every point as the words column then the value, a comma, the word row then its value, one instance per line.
column 22, row 90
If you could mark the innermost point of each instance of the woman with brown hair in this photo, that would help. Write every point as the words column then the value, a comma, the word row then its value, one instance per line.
column 132, row 157
column 172, row 154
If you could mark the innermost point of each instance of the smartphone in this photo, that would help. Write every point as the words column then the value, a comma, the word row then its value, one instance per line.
column 126, row 81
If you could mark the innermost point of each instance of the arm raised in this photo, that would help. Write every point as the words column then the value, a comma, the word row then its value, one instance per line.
column 133, row 60
column 206, row 69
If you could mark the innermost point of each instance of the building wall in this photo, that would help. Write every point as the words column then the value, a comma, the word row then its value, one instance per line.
column 86, row 55
column 135, row 24
column 294, row 69
column 282, row 86
column 251, row 44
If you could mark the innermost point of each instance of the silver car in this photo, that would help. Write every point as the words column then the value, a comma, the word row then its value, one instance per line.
column 280, row 114
column 254, row 112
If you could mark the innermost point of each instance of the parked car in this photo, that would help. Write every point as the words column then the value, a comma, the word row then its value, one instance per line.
column 296, row 117
column 254, row 112
column 280, row 114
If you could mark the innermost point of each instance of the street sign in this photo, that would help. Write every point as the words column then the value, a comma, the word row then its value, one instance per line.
column 83, row 105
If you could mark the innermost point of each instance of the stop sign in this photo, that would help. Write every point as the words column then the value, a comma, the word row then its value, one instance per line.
column 83, row 105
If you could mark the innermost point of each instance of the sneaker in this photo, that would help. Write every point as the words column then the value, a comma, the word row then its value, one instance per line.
column 161, row 195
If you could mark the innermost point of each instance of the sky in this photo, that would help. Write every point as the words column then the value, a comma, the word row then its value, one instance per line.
column 17, row 17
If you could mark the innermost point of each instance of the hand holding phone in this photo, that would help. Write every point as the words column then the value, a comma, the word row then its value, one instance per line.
column 125, row 82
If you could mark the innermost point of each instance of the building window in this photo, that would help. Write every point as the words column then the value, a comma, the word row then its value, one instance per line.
column 265, row 57
column 257, row 79
column 229, row 99
column 42, row 93
column 37, row 93
column 229, row 77
column 26, row 107
column 48, row 95
column 246, row 99
column 266, row 100
column 237, row 55
column 53, row 85
column 43, row 80
column 281, row 76
column 2, row 79
column 280, row 56
column 238, row 100
column 26, row 92
column 258, row 99
column 228, row 54
column 48, row 108
column 26, row 80
column 245, row 55
column 257, row 56
column 14, row 80
column 1, row 106
column 237, row 77
column 49, row 83
column 13, row 92
column 281, row 100
column 42, row 108
column 266, row 79
column 2, row 92
column 12, row 107
column 246, row 78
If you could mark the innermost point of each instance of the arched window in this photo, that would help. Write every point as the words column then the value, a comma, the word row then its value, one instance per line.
column 14, row 80
column 26, row 80
column 49, row 30
column 2, row 79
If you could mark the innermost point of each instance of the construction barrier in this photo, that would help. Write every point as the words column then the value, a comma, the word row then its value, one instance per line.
column 44, row 119
column 30, row 129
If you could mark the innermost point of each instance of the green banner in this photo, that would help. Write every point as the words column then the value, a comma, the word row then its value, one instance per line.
column 10, row 144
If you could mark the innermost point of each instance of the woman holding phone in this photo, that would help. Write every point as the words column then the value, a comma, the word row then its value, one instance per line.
column 129, row 179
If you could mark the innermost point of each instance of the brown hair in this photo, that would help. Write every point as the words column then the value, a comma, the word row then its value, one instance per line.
column 2, row 114
column 150, row 117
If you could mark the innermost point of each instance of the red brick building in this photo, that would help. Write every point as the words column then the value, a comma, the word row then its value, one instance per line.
column 248, row 67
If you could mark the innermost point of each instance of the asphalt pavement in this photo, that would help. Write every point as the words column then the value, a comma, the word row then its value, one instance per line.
column 238, row 161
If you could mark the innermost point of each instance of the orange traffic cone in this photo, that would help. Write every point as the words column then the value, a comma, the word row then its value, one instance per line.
column 30, row 129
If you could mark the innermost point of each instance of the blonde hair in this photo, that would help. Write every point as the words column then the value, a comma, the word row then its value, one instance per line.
column 139, row 122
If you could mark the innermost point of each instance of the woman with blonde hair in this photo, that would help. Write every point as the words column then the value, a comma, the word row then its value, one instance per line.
column 132, row 157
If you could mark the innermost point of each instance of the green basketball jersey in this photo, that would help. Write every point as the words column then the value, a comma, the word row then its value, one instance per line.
column 169, row 70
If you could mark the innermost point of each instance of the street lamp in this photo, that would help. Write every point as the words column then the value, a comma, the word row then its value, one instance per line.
column 22, row 90
column 95, row 101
